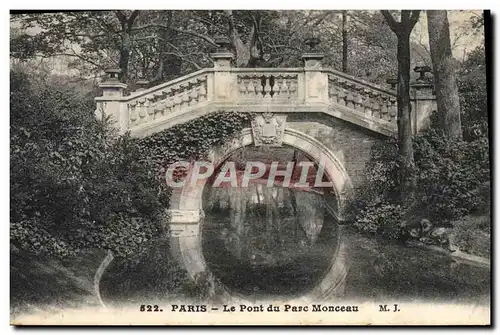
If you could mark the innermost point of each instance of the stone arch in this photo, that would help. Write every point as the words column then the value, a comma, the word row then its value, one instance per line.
column 186, row 211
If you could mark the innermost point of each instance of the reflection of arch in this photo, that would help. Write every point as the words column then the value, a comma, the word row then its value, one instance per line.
column 186, row 214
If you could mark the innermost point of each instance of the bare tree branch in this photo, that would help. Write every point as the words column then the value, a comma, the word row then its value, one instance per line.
column 393, row 24
column 321, row 18
column 121, row 17
column 415, row 14
column 132, row 18
column 192, row 33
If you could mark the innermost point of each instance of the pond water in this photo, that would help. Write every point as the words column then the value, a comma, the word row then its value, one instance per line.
column 264, row 242
column 267, row 266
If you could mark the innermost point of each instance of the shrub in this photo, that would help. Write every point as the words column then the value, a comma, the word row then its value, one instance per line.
column 473, row 95
column 473, row 235
column 75, row 184
column 379, row 218
column 452, row 181
column 450, row 174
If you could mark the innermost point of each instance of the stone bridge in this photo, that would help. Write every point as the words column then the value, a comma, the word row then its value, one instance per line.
column 332, row 117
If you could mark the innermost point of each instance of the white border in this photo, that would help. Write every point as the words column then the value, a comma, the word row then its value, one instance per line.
column 196, row 4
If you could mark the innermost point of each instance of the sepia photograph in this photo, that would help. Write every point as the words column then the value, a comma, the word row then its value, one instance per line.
column 250, row 167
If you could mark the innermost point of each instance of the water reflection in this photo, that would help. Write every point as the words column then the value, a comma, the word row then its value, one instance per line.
column 267, row 241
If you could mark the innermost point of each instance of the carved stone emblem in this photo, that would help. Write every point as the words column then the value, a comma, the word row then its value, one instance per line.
column 268, row 129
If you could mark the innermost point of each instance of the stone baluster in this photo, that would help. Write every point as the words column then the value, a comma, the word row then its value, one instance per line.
column 194, row 96
column 376, row 105
column 169, row 105
column 333, row 91
column 383, row 108
column 184, row 87
column 150, row 105
column 393, row 110
column 202, row 91
column 367, row 102
column 342, row 94
column 249, row 89
column 284, row 86
column 188, row 98
column 243, row 87
column 254, row 85
column 292, row 87
column 133, row 112
column 267, row 87
column 192, row 92
column 358, row 99
column 349, row 99
column 141, row 110
column 177, row 101
column 154, row 106
column 278, row 80
column 159, row 109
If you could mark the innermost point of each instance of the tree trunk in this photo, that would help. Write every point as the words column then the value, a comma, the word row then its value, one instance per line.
column 124, row 57
column 125, row 47
column 407, row 163
column 344, row 42
column 247, row 54
column 170, row 65
column 402, row 29
column 448, row 103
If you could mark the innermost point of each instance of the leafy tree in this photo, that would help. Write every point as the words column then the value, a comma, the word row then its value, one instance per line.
column 472, row 89
column 97, row 39
column 402, row 30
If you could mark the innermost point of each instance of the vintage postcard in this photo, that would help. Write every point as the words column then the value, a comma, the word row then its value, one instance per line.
column 250, row 167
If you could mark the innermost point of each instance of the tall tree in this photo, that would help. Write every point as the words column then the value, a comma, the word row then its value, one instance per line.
column 98, row 39
column 443, row 63
column 126, row 25
column 403, row 30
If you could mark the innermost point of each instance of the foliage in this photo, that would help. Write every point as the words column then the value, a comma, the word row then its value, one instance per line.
column 472, row 88
column 451, row 174
column 75, row 185
column 148, row 275
column 192, row 140
column 473, row 234
column 451, row 178
column 379, row 218
column 159, row 45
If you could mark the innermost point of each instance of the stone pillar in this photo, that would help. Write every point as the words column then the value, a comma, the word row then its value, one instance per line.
column 423, row 100
column 141, row 84
column 110, row 103
column 392, row 82
column 224, row 83
column 315, row 81
column 185, row 239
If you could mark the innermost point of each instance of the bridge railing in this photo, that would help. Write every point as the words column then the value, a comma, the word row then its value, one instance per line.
column 311, row 88
column 170, row 98
column 268, row 84
column 373, row 101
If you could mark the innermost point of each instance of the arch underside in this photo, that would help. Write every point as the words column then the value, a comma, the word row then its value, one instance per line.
column 186, row 214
